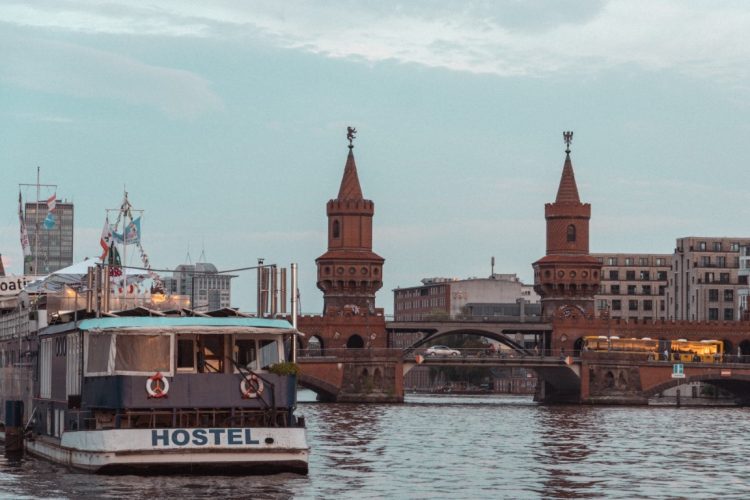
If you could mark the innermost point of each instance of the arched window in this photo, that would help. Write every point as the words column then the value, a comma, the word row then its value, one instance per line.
column 336, row 229
column 571, row 233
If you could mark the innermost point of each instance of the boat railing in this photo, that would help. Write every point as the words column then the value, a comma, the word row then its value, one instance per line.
column 250, row 377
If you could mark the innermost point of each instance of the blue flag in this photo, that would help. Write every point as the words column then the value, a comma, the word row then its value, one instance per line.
column 132, row 233
column 49, row 221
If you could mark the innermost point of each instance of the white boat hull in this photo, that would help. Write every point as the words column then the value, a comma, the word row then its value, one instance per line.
column 156, row 451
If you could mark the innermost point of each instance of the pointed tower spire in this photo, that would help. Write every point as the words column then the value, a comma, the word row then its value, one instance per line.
column 350, row 188
column 568, row 191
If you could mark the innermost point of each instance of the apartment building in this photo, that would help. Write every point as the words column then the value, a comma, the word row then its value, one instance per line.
column 633, row 286
column 705, row 279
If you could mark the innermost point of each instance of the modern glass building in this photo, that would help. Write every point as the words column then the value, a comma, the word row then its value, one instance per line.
column 51, row 245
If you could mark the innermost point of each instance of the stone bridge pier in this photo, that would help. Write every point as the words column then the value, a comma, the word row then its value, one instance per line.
column 354, row 375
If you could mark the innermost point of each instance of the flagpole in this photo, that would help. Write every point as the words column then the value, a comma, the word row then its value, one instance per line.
column 36, row 224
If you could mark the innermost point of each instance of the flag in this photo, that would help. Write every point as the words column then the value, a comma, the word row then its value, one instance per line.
column 132, row 234
column 24, row 235
column 114, row 261
column 106, row 240
column 49, row 221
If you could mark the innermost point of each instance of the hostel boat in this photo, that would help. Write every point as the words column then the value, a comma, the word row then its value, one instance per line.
column 153, row 394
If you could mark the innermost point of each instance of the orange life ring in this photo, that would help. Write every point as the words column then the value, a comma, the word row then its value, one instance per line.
column 154, row 386
column 251, row 387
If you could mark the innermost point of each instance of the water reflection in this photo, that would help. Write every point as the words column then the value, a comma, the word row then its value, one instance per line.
column 463, row 447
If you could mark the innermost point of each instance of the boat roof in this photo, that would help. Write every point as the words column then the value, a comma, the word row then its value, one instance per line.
column 188, row 323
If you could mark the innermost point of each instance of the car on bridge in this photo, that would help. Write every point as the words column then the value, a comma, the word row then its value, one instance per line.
column 441, row 350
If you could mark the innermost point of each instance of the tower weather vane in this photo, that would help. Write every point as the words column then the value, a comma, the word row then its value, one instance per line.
column 568, row 138
column 351, row 134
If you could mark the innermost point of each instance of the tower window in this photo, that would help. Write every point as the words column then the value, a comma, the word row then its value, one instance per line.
column 336, row 229
column 571, row 233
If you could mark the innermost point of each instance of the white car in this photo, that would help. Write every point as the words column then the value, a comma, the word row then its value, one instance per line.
column 441, row 350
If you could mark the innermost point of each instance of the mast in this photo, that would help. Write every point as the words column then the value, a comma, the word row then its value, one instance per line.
column 35, row 269
column 36, row 224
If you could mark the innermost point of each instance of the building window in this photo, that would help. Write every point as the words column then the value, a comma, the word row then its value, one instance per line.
column 645, row 275
column 643, row 261
column 705, row 260
column 734, row 247
column 631, row 289
column 648, row 305
column 721, row 261
column 611, row 261
column 662, row 289
column 661, row 275
column 615, row 289
column 702, row 246
column 628, row 261
column 571, row 233
column 614, row 275
column 336, row 229
column 616, row 305
column 646, row 289
column 660, row 261
column 728, row 314
column 632, row 305
column 717, row 246
column 713, row 313
column 629, row 275
column 729, row 295
column 713, row 295
column 723, row 277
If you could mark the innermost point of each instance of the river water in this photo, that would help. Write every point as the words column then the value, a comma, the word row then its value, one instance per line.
column 452, row 446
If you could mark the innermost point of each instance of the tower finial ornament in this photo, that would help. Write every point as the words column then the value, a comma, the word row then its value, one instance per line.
column 351, row 134
column 568, row 138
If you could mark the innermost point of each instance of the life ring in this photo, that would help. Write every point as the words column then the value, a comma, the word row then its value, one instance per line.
column 154, row 386
column 251, row 387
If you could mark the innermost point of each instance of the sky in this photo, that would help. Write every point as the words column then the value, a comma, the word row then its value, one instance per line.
column 226, row 123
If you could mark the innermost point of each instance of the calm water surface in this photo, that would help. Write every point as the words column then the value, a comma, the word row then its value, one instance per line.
column 464, row 447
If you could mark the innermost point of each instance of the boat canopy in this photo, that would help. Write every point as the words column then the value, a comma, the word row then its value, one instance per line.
column 155, row 324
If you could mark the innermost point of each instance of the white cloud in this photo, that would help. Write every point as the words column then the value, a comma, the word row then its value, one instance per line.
column 66, row 68
column 707, row 40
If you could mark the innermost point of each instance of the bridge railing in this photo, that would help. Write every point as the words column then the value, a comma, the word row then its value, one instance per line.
column 350, row 353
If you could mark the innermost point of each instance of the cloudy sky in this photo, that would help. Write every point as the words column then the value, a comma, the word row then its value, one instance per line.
column 226, row 123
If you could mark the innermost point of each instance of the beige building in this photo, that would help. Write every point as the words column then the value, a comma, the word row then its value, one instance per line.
column 633, row 286
column 705, row 279
column 500, row 295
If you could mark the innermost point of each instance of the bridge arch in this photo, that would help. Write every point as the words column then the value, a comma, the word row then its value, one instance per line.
column 738, row 385
column 355, row 341
column 503, row 338
column 325, row 390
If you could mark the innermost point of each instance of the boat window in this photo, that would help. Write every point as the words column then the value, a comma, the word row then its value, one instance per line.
column 185, row 354
column 142, row 353
column 97, row 359
column 211, row 354
column 269, row 353
column 245, row 353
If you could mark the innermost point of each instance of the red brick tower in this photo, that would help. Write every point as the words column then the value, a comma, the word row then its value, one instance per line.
column 349, row 273
column 567, row 275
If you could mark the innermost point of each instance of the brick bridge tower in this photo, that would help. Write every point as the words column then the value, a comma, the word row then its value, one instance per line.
column 568, row 276
column 349, row 273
